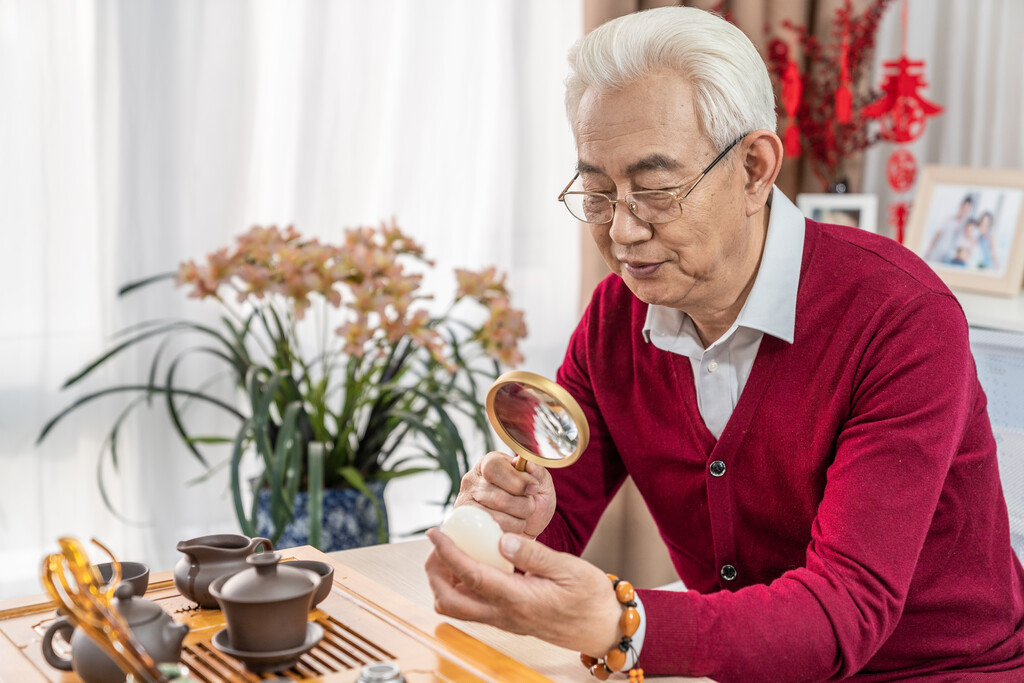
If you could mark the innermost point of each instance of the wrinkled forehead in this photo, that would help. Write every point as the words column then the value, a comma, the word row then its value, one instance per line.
column 647, row 124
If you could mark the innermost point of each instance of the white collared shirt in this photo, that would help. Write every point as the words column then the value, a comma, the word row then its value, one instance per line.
column 721, row 370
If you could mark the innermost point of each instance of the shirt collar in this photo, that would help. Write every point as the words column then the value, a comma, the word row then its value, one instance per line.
column 771, row 305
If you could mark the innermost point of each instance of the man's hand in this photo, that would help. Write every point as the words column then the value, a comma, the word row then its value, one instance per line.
column 560, row 598
column 521, row 502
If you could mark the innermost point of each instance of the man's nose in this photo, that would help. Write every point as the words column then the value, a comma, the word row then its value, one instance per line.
column 626, row 228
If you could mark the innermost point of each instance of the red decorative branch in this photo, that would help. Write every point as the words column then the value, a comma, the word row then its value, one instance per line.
column 822, row 103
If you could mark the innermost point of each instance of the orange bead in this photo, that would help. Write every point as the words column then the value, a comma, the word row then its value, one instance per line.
column 629, row 622
column 587, row 660
column 624, row 591
column 599, row 672
column 612, row 577
column 615, row 659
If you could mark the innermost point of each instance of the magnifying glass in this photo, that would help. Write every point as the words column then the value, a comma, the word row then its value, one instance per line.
column 538, row 420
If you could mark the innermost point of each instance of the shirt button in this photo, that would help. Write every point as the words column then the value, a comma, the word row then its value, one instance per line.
column 712, row 366
column 717, row 468
column 728, row 572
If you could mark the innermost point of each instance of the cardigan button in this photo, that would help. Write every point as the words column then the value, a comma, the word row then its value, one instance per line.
column 728, row 572
column 717, row 468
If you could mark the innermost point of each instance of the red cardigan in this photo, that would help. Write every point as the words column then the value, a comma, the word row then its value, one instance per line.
column 860, row 506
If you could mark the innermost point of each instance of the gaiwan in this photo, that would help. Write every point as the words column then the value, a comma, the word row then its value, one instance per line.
column 477, row 534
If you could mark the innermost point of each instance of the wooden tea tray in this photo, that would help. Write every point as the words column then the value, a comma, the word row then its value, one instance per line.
column 362, row 621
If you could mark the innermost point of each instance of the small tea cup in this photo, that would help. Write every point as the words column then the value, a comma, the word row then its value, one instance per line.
column 325, row 570
column 135, row 573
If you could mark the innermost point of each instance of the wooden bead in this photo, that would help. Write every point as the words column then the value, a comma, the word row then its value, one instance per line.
column 615, row 659
column 629, row 622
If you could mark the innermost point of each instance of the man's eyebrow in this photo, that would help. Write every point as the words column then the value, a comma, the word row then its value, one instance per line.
column 654, row 162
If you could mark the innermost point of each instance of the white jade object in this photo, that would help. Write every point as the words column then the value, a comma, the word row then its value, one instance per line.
column 477, row 534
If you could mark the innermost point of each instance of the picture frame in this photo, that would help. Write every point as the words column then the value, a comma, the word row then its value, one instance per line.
column 968, row 225
column 855, row 210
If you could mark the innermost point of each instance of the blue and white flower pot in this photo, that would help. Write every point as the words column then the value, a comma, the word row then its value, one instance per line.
column 350, row 519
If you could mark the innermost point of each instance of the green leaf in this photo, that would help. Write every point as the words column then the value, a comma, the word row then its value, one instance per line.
column 315, row 458
column 172, row 411
column 396, row 473
column 211, row 439
column 128, row 388
column 247, row 523
column 131, row 286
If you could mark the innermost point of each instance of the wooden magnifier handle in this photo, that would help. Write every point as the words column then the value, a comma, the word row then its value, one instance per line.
column 520, row 463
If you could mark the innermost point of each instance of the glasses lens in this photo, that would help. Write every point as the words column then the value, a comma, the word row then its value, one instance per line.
column 654, row 206
column 589, row 208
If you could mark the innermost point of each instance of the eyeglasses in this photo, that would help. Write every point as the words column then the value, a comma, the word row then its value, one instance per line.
column 650, row 206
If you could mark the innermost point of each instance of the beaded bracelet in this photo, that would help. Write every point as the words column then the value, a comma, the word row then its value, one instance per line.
column 601, row 669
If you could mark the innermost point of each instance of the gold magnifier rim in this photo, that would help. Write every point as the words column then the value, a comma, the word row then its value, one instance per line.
column 551, row 388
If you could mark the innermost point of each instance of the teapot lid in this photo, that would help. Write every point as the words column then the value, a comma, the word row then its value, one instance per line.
column 268, row 581
column 136, row 611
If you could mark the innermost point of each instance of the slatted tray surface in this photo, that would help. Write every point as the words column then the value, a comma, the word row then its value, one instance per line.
column 363, row 622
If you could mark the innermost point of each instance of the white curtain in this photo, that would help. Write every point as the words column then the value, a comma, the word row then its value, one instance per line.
column 135, row 134
column 974, row 67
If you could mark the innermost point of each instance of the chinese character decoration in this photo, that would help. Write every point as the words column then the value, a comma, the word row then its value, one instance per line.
column 902, row 112
column 822, row 110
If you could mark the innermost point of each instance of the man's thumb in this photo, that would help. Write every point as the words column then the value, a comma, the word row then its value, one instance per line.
column 528, row 556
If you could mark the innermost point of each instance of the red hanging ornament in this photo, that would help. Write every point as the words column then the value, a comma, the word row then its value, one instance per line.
column 792, row 90
column 901, row 170
column 898, row 214
column 902, row 109
column 844, row 93
column 791, row 87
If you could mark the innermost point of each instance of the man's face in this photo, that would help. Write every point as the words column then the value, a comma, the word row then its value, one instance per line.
column 646, row 137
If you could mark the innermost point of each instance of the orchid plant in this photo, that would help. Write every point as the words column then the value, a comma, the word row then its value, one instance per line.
column 382, row 391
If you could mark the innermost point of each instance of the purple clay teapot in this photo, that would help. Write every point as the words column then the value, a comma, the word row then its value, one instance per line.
column 153, row 628
column 210, row 557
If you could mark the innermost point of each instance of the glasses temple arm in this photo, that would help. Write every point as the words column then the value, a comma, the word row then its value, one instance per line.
column 561, row 195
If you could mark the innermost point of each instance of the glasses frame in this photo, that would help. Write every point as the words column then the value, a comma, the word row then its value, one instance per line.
column 632, row 205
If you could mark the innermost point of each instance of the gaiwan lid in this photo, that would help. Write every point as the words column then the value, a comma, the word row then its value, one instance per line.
column 268, row 581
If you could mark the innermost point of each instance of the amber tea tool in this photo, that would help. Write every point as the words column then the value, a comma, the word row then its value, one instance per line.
column 76, row 586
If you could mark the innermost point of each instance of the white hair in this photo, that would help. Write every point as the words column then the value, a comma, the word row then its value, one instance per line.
column 732, row 92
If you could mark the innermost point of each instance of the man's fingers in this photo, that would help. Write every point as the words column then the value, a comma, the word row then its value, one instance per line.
column 502, row 504
column 532, row 557
column 497, row 468
column 462, row 586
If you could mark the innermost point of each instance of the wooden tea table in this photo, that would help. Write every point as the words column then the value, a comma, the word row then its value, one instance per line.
column 399, row 568
column 380, row 608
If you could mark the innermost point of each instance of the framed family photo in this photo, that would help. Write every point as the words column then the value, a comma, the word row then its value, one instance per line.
column 855, row 210
column 968, row 225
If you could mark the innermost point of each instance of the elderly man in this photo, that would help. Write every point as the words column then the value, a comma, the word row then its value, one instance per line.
column 796, row 402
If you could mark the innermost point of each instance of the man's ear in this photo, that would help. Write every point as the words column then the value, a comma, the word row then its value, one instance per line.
column 762, row 159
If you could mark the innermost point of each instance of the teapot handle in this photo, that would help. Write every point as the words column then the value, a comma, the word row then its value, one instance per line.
column 63, row 627
column 267, row 544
